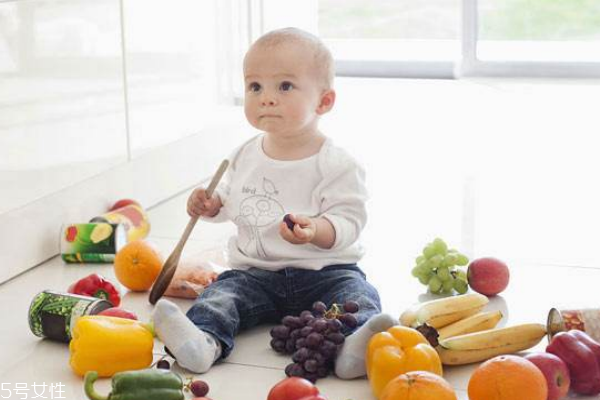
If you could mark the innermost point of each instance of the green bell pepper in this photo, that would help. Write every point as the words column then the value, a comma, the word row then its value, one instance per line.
column 146, row 384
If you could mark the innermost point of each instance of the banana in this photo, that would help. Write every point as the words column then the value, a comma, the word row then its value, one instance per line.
column 474, row 323
column 461, row 357
column 409, row 317
column 441, row 312
column 501, row 337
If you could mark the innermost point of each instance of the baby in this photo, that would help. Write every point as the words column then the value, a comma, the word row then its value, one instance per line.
column 280, row 268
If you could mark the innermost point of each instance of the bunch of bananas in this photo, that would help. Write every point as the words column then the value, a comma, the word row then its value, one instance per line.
column 466, row 334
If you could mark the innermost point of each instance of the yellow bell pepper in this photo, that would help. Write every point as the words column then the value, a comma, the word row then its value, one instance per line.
column 397, row 351
column 109, row 345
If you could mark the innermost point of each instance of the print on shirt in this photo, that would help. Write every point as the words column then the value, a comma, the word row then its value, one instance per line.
column 257, row 211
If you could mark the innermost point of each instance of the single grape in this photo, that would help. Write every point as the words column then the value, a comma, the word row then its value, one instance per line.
column 300, row 343
column 429, row 251
column 444, row 274
column 351, row 306
column 334, row 325
column 415, row 271
column 435, row 284
column 419, row 260
column 296, row 334
column 301, row 355
column 278, row 345
column 319, row 307
column 422, row 270
column 280, row 332
column 312, row 353
column 319, row 358
column 461, row 286
column 320, row 325
column 306, row 317
column 290, row 346
column 288, row 221
column 163, row 364
column 448, row 285
column 295, row 369
column 462, row 260
column 450, row 260
column 310, row 365
column 307, row 330
column 424, row 279
column 291, row 322
column 199, row 388
column 314, row 340
column 436, row 261
column 439, row 246
column 336, row 337
column 328, row 349
column 349, row 320
column 427, row 266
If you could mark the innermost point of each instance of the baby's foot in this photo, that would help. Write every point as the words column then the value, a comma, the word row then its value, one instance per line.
column 350, row 363
column 193, row 348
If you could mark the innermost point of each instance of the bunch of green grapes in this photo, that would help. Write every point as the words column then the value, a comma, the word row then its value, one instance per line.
column 437, row 268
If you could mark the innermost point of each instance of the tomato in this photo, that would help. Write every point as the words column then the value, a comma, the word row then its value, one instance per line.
column 294, row 388
column 122, row 203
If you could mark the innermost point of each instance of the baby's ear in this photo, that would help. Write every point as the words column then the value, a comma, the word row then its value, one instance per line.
column 327, row 101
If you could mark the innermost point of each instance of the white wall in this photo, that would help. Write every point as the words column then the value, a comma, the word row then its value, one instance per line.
column 102, row 99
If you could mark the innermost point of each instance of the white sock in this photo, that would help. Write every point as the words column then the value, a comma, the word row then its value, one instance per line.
column 350, row 362
column 193, row 348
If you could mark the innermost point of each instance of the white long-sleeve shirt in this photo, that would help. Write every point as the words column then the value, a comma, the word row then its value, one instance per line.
column 257, row 191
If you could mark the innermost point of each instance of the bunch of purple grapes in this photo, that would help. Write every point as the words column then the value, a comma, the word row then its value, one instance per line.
column 313, row 338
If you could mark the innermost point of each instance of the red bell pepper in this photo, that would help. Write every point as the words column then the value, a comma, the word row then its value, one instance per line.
column 581, row 353
column 95, row 285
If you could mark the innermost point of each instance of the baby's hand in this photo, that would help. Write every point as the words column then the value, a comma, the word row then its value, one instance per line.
column 303, row 231
column 199, row 205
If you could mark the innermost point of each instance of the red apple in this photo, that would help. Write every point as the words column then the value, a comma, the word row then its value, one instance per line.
column 293, row 388
column 122, row 203
column 555, row 371
column 119, row 313
column 488, row 276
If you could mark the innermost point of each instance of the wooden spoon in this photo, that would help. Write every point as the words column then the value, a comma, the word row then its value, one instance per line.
column 170, row 266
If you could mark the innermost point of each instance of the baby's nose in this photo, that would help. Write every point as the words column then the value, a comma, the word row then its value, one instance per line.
column 268, row 99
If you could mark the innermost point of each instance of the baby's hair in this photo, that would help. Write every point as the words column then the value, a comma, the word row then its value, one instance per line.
column 323, row 60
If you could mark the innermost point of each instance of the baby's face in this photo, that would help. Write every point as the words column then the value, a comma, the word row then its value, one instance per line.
column 282, row 90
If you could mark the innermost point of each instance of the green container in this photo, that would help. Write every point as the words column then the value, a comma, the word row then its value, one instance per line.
column 92, row 242
column 53, row 315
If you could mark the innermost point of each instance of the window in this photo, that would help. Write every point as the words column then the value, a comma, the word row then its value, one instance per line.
column 539, row 30
column 391, row 29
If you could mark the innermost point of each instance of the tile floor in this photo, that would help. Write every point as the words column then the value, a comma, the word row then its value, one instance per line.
column 253, row 368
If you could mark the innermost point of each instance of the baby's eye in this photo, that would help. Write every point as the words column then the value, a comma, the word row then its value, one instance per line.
column 254, row 87
column 286, row 86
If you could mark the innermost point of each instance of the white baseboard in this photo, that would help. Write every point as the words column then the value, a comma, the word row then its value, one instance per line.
column 30, row 235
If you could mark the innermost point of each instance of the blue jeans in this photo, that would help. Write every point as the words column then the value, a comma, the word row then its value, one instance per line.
column 239, row 300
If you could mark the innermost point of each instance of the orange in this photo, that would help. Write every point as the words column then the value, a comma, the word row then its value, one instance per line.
column 418, row 385
column 507, row 378
column 137, row 265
